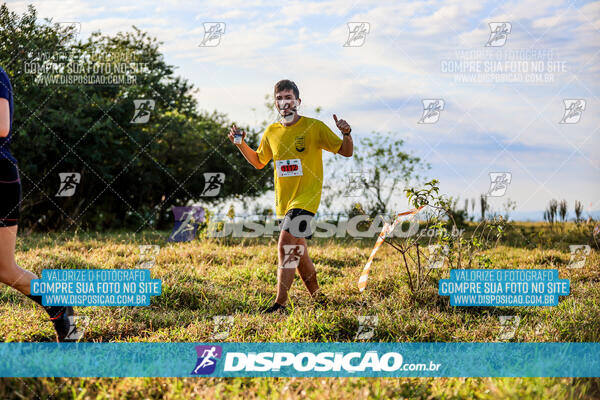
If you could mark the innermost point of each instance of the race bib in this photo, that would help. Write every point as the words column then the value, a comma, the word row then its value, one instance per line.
column 291, row 167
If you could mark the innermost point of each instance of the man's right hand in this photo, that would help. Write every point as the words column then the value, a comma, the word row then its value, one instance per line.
column 232, row 133
column 248, row 153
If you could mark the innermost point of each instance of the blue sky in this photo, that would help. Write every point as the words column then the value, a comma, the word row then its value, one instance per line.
column 379, row 86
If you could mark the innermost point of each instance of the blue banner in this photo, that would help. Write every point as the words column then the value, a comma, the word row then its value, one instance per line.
column 300, row 359
column 504, row 287
column 96, row 287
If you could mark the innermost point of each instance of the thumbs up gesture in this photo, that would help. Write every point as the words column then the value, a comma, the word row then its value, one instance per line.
column 342, row 125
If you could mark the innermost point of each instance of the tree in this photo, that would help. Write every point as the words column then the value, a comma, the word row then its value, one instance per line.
column 131, row 174
column 382, row 167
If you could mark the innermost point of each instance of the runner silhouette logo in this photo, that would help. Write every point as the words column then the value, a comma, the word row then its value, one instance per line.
column 68, row 183
column 213, row 181
column 207, row 359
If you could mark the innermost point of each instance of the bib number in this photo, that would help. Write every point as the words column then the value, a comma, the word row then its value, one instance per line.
column 291, row 167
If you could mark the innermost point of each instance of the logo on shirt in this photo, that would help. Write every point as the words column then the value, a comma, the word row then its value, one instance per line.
column 300, row 144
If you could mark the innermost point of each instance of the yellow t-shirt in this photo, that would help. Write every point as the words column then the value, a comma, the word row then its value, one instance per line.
column 298, row 169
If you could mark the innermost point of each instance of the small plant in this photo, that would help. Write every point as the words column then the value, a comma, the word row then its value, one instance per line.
column 562, row 210
column 550, row 213
column 483, row 205
column 448, row 243
column 358, row 209
column 231, row 212
column 578, row 211
column 509, row 206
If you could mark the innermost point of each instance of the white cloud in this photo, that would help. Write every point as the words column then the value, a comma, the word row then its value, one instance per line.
column 380, row 85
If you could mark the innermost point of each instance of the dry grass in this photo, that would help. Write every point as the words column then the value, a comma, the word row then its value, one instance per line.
column 206, row 278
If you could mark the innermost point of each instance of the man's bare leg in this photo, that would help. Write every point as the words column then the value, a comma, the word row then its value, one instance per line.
column 307, row 270
column 285, row 276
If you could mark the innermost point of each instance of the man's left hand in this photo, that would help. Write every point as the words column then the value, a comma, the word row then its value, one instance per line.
column 342, row 125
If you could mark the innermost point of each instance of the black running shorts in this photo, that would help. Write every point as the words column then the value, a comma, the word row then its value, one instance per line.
column 297, row 222
column 11, row 196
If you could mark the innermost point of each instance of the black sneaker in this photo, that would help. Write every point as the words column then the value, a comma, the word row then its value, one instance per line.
column 64, row 324
column 274, row 308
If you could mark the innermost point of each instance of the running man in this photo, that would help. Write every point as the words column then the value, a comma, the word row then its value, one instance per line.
column 295, row 144
column 10, row 202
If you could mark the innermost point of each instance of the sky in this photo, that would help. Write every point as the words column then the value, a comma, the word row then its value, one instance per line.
column 412, row 52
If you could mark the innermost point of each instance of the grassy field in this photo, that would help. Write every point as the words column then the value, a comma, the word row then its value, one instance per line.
column 237, row 278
